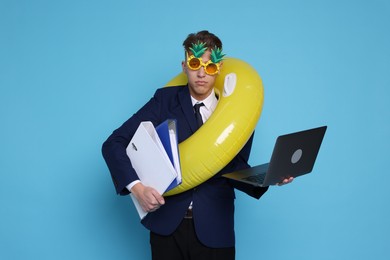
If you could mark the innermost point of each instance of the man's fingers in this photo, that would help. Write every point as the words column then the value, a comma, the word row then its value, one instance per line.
column 153, row 200
column 286, row 181
column 159, row 199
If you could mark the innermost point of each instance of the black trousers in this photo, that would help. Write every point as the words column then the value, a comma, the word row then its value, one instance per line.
column 184, row 245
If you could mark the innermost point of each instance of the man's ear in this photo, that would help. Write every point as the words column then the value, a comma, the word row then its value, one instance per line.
column 183, row 66
column 220, row 67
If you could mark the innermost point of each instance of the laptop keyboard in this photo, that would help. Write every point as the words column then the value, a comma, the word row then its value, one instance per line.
column 259, row 178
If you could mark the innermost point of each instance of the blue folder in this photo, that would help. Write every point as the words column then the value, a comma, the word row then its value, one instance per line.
column 167, row 131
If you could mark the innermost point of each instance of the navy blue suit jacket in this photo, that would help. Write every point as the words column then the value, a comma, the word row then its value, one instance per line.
column 213, row 200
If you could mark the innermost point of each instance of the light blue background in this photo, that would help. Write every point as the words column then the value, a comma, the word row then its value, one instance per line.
column 73, row 71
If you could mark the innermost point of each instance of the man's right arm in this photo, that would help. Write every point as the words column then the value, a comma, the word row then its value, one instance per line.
column 114, row 148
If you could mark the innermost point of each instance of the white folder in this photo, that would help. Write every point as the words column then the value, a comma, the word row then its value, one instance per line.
column 150, row 161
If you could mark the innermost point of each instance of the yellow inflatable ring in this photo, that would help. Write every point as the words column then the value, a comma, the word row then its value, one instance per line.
column 224, row 134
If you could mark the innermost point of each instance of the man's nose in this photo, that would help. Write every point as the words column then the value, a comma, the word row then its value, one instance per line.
column 201, row 72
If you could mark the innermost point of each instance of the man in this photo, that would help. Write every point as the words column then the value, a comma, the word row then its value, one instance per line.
column 199, row 223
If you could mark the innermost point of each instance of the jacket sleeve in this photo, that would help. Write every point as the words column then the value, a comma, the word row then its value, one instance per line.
column 241, row 162
column 114, row 148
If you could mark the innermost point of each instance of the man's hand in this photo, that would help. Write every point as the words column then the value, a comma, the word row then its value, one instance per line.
column 285, row 181
column 149, row 199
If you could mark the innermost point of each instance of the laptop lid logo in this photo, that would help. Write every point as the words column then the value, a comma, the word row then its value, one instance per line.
column 297, row 155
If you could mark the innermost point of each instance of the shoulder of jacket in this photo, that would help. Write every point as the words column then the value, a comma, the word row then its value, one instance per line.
column 171, row 90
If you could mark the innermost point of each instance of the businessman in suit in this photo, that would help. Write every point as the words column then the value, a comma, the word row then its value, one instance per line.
column 198, row 223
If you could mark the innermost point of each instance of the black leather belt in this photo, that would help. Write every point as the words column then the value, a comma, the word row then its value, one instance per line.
column 188, row 213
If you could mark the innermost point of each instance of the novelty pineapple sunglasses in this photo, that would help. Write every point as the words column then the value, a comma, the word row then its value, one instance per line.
column 194, row 62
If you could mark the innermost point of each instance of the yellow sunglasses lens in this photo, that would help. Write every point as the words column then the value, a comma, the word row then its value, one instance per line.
column 194, row 63
column 211, row 68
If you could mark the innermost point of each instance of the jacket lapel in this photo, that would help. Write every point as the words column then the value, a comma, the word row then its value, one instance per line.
column 186, row 104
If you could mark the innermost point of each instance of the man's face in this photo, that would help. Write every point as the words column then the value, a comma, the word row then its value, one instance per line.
column 200, row 84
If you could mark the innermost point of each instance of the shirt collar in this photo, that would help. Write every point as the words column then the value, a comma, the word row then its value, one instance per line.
column 208, row 102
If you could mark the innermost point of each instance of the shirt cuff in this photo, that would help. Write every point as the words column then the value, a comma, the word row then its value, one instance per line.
column 131, row 185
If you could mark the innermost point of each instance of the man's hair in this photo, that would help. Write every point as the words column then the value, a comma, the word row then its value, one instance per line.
column 206, row 37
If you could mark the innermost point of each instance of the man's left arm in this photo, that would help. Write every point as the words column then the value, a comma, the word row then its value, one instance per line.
column 241, row 162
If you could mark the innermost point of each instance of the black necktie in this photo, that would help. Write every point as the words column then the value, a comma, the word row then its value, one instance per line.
column 198, row 116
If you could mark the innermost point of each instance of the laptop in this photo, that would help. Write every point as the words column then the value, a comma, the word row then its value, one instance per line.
column 293, row 155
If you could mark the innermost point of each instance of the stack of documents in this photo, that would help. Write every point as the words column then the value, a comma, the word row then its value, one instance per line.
column 154, row 155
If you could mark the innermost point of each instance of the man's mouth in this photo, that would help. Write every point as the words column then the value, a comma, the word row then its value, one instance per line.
column 200, row 83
